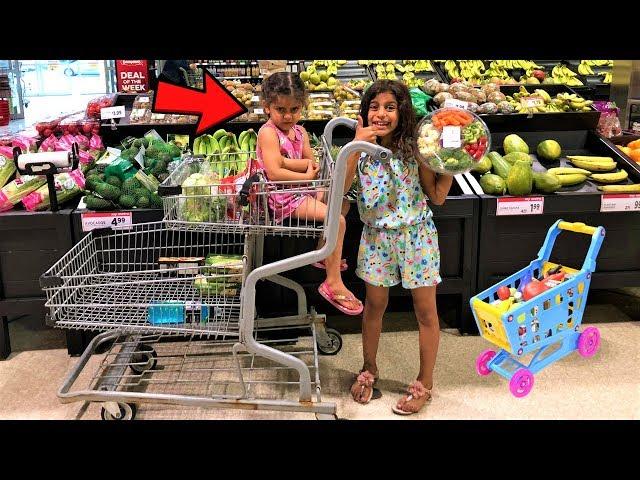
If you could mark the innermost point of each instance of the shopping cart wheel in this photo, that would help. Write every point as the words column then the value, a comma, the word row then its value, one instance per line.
column 127, row 412
column 589, row 342
column 145, row 358
column 521, row 383
column 482, row 362
column 334, row 345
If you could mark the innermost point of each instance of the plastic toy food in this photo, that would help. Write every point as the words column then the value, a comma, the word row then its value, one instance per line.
column 452, row 140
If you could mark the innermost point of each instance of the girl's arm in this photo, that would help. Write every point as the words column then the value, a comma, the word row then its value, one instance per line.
column 301, row 164
column 274, row 162
column 435, row 186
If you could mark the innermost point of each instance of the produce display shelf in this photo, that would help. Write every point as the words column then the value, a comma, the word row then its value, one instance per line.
column 457, row 225
column 509, row 243
column 623, row 140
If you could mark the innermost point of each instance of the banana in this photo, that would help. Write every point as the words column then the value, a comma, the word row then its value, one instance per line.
column 610, row 177
column 595, row 166
column 571, row 179
column 196, row 145
column 590, row 158
column 219, row 134
column 213, row 143
column 568, row 171
column 633, row 188
column 204, row 145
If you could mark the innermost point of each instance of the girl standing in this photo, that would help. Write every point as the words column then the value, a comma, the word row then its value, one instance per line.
column 399, row 240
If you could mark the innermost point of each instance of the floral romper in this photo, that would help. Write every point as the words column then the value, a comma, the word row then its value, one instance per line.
column 399, row 240
column 284, row 204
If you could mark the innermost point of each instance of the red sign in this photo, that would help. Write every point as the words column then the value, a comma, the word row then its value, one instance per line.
column 133, row 75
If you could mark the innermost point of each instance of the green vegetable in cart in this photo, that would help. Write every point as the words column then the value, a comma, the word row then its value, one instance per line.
column 500, row 166
column 546, row 182
column 174, row 151
column 520, row 179
column 513, row 143
column 492, row 184
column 152, row 152
column 164, row 157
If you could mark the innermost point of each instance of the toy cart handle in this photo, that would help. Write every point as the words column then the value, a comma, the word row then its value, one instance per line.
column 577, row 227
column 597, row 234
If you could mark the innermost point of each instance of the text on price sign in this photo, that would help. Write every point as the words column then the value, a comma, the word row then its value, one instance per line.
column 91, row 221
column 520, row 206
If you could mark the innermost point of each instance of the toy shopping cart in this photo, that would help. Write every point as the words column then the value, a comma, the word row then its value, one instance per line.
column 547, row 324
column 181, row 330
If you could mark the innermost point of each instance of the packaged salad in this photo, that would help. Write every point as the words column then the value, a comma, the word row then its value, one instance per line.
column 452, row 140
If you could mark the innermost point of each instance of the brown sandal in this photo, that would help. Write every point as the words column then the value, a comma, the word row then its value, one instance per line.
column 415, row 391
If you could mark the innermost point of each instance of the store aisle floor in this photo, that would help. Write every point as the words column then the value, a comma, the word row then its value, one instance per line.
column 605, row 387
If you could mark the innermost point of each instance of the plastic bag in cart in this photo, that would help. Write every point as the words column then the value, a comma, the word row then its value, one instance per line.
column 241, row 186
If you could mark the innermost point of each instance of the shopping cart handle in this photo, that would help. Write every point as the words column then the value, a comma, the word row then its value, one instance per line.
column 577, row 227
column 333, row 123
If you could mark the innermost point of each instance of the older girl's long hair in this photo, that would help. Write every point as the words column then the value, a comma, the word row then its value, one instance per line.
column 404, row 136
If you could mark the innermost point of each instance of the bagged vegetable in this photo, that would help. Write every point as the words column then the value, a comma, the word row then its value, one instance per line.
column 26, row 144
column 419, row 99
column 609, row 123
column 49, row 144
column 67, row 185
column 15, row 191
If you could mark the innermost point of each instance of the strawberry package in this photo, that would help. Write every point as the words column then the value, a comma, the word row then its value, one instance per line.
column 95, row 105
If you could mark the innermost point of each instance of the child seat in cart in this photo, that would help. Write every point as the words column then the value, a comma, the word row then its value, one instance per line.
column 175, row 300
column 547, row 324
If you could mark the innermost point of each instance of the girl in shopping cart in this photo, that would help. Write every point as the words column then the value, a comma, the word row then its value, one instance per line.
column 284, row 152
column 399, row 241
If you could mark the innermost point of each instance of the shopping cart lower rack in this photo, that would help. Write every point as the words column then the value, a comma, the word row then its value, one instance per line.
column 547, row 325
column 175, row 300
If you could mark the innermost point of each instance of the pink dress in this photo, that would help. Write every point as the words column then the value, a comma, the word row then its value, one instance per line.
column 284, row 204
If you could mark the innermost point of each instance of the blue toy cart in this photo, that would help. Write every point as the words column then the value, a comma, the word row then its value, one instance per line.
column 547, row 324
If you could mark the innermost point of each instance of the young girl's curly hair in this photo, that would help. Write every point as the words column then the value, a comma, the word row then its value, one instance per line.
column 286, row 84
column 404, row 136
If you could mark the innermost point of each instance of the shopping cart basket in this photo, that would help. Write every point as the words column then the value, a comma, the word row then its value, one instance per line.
column 547, row 324
column 176, row 339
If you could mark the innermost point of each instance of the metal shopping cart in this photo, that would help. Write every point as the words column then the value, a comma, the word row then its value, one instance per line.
column 171, row 341
column 547, row 324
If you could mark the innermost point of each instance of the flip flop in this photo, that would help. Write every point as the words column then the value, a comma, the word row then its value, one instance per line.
column 331, row 297
column 322, row 266
column 365, row 379
column 415, row 390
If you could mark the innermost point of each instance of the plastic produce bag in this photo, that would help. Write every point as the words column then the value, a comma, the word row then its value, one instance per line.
column 609, row 123
column 7, row 168
column 15, row 191
column 419, row 99
column 67, row 185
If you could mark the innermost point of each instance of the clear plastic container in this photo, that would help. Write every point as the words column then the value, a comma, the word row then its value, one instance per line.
column 452, row 140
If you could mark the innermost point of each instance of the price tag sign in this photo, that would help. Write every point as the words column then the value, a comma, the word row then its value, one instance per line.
column 93, row 220
column 255, row 98
column 451, row 137
column 532, row 101
column 620, row 202
column 258, row 111
column 520, row 206
column 452, row 102
column 112, row 112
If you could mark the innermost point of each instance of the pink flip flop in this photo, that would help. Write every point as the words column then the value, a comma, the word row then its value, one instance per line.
column 322, row 266
column 331, row 297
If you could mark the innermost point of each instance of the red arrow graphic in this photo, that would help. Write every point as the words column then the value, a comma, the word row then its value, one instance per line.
column 214, row 105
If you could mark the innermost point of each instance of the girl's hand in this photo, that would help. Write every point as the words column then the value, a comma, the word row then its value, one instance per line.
column 366, row 134
column 312, row 170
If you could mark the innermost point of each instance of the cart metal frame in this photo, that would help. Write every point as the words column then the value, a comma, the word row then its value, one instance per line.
column 81, row 295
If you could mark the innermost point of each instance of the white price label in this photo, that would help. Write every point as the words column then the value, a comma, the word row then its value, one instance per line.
column 258, row 111
column 255, row 98
column 620, row 202
column 520, row 206
column 143, row 100
column 451, row 137
column 91, row 221
column 452, row 102
column 112, row 112
column 114, row 151
column 532, row 101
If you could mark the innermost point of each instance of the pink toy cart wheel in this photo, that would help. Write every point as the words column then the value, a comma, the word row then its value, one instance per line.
column 482, row 362
column 521, row 383
column 589, row 342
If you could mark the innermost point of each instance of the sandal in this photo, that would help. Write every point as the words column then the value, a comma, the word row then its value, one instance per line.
column 364, row 380
column 331, row 297
column 322, row 266
column 416, row 391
